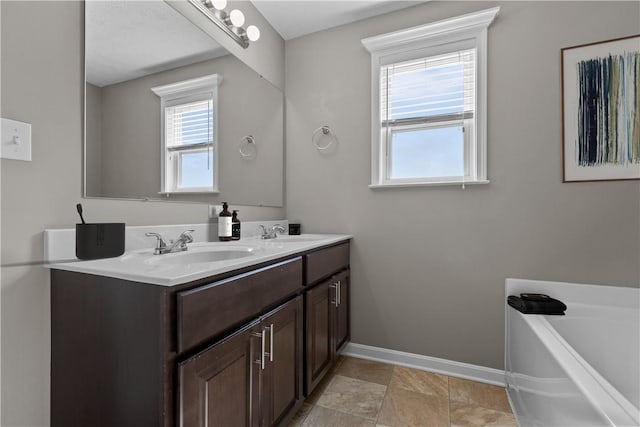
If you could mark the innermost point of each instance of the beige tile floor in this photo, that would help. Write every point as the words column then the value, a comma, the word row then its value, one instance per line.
column 364, row 393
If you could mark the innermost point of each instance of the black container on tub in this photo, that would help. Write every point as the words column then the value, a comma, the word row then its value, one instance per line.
column 99, row 240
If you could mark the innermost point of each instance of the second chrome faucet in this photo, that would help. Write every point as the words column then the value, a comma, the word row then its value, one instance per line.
column 273, row 231
column 180, row 244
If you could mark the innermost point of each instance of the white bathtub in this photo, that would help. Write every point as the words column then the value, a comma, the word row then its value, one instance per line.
column 581, row 369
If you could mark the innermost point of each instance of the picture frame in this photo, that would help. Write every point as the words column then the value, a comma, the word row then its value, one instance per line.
column 601, row 110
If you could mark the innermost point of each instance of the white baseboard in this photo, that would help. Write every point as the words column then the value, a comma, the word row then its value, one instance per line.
column 433, row 364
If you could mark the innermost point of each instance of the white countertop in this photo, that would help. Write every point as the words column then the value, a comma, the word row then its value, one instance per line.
column 169, row 270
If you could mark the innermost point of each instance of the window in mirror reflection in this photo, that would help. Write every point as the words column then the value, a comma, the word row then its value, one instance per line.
column 189, row 145
column 195, row 170
column 189, row 115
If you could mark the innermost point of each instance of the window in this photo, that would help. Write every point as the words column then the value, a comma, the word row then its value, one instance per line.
column 427, row 109
column 189, row 135
column 429, row 103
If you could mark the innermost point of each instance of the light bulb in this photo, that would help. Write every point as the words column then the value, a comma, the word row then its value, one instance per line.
column 237, row 18
column 253, row 33
column 219, row 4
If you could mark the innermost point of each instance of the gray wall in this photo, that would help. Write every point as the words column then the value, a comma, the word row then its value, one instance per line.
column 93, row 152
column 429, row 264
column 131, row 131
column 41, row 71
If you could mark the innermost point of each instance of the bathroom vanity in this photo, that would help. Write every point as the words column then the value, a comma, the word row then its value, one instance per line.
column 240, row 345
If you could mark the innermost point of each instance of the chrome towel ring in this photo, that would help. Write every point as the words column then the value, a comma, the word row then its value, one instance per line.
column 321, row 133
column 248, row 148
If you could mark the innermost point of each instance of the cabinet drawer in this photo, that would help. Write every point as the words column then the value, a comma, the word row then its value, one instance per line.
column 325, row 262
column 209, row 310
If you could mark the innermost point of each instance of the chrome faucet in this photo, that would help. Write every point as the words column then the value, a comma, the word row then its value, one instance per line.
column 179, row 245
column 272, row 233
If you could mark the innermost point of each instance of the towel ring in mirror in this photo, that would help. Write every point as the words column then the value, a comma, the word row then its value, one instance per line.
column 319, row 134
column 248, row 148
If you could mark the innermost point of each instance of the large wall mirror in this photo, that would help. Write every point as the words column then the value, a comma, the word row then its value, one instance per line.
column 171, row 115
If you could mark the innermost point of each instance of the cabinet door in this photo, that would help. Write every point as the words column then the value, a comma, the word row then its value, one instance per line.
column 221, row 385
column 282, row 388
column 341, row 281
column 320, row 305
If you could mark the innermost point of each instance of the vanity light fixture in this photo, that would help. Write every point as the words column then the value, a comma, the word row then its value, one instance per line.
column 231, row 23
column 237, row 18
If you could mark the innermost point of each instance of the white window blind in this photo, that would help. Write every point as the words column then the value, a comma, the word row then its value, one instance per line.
column 427, row 90
column 189, row 126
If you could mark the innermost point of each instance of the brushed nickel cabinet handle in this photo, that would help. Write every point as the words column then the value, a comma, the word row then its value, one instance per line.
column 271, row 341
column 339, row 292
column 335, row 299
column 263, row 349
column 260, row 335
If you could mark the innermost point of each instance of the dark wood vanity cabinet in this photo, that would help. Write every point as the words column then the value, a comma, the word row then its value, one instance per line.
column 252, row 378
column 319, row 308
column 221, row 385
column 282, row 375
column 207, row 311
column 327, row 311
column 341, row 334
column 229, row 350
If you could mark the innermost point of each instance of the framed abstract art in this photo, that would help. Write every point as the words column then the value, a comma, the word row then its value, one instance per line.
column 601, row 110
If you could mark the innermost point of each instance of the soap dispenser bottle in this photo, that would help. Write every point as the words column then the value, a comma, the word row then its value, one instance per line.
column 235, row 226
column 224, row 223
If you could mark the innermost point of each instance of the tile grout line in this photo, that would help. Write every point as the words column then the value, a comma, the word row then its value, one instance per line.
column 385, row 394
column 449, row 399
column 475, row 404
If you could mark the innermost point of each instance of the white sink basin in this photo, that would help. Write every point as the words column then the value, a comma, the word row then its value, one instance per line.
column 202, row 255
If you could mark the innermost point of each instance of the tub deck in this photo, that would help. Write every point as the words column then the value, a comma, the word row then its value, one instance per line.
column 575, row 370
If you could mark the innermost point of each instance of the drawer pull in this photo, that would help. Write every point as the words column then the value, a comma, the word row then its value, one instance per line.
column 339, row 291
column 335, row 299
column 271, row 341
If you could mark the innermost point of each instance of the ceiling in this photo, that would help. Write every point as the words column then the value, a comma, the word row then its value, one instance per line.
column 130, row 39
column 295, row 18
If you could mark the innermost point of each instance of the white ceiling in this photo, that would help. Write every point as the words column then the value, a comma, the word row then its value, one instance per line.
column 295, row 18
column 131, row 39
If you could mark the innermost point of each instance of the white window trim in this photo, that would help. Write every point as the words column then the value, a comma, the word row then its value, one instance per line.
column 189, row 88
column 426, row 40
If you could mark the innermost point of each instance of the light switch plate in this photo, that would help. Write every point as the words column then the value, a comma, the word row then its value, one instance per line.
column 16, row 140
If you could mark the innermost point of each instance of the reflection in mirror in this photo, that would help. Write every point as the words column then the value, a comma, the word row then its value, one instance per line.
column 168, row 112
